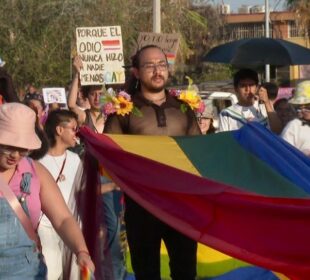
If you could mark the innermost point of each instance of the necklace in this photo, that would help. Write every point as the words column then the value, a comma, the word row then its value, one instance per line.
column 61, row 177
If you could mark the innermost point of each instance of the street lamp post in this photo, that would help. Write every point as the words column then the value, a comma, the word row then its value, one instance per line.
column 267, row 35
column 156, row 16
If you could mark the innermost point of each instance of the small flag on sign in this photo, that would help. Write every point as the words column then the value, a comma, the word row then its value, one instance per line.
column 109, row 45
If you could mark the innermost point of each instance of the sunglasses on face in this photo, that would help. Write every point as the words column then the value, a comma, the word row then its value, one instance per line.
column 73, row 129
column 9, row 150
column 303, row 109
column 67, row 125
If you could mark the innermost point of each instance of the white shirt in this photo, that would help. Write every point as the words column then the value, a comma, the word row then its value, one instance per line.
column 53, row 165
column 297, row 135
column 235, row 116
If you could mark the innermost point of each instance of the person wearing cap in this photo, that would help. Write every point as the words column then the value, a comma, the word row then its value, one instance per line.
column 36, row 190
column 253, row 105
column 297, row 131
column 205, row 121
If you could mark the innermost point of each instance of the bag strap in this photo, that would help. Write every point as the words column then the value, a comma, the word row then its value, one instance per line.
column 19, row 211
column 61, row 169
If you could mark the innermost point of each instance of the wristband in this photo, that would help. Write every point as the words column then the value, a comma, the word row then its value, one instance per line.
column 82, row 252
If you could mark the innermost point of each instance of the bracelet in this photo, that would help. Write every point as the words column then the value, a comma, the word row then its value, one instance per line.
column 82, row 252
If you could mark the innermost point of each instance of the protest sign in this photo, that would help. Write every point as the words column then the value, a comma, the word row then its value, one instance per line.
column 285, row 92
column 54, row 95
column 169, row 43
column 101, row 51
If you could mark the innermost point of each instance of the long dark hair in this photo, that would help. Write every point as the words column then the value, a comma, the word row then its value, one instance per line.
column 7, row 87
column 41, row 152
column 132, row 85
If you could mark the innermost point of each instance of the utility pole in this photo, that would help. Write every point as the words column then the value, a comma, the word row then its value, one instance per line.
column 156, row 16
column 267, row 35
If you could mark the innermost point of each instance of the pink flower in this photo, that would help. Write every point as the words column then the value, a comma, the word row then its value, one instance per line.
column 174, row 92
column 108, row 108
column 201, row 107
column 125, row 95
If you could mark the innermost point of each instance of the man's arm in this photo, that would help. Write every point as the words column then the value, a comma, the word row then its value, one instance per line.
column 273, row 119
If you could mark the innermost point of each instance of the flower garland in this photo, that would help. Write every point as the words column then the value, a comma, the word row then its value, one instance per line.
column 121, row 104
column 190, row 97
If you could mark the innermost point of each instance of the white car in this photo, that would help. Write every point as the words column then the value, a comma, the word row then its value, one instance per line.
column 216, row 101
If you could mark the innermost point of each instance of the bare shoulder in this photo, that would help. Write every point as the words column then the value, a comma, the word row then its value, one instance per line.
column 42, row 172
column 39, row 166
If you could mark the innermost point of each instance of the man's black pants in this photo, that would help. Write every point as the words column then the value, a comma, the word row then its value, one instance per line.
column 144, row 234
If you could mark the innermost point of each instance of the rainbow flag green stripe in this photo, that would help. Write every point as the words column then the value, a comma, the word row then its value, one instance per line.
column 233, row 165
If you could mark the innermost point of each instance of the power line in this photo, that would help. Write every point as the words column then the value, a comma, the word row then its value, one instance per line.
column 277, row 4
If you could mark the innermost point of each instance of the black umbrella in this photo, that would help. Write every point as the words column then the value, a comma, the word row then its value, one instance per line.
column 258, row 52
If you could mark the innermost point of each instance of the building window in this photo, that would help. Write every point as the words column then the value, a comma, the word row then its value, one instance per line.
column 295, row 30
column 245, row 30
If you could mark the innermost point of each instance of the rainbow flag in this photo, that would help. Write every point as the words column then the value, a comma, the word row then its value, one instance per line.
column 171, row 58
column 86, row 274
column 244, row 193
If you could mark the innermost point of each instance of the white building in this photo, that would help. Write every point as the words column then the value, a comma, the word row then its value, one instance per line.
column 224, row 9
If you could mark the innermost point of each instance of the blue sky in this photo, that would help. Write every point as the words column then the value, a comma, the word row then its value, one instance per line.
column 234, row 4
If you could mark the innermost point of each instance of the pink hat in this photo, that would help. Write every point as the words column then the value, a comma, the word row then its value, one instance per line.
column 17, row 126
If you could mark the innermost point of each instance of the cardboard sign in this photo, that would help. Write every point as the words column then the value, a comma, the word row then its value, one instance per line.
column 169, row 43
column 54, row 95
column 101, row 50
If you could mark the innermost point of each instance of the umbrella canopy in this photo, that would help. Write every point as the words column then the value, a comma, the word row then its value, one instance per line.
column 258, row 52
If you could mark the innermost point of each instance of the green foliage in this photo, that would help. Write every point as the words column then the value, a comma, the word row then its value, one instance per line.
column 183, row 108
column 37, row 37
column 136, row 111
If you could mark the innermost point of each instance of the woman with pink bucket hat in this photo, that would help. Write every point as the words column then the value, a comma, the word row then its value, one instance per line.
column 297, row 131
column 26, row 187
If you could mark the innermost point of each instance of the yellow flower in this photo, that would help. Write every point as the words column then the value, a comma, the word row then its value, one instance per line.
column 191, row 98
column 123, row 106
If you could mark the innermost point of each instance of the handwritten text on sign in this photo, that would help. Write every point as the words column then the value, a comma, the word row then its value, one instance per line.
column 169, row 43
column 101, row 50
column 54, row 95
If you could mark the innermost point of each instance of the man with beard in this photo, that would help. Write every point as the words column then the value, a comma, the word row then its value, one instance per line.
column 160, row 114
